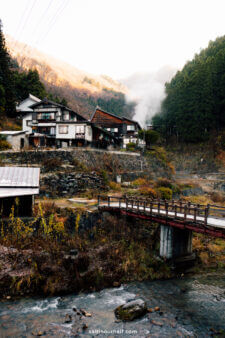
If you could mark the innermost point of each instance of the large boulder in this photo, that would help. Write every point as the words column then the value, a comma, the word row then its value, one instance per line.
column 131, row 310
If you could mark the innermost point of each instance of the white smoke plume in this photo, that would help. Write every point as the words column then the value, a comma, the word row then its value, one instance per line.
column 148, row 90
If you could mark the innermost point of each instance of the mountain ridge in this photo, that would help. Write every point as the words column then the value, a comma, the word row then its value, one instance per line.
column 82, row 90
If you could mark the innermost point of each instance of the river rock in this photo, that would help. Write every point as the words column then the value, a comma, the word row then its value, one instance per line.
column 131, row 310
column 85, row 313
column 68, row 318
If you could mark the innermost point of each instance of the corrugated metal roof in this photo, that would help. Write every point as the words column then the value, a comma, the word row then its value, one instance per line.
column 12, row 132
column 19, row 177
column 8, row 192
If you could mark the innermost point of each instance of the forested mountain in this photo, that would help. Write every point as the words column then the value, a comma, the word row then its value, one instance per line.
column 195, row 98
column 7, row 95
column 15, row 85
column 82, row 91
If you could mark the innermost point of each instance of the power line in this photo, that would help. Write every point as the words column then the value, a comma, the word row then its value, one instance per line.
column 54, row 20
column 21, row 21
column 28, row 15
column 38, row 23
column 42, row 17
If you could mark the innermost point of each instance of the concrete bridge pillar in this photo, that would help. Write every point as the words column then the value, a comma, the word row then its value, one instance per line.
column 175, row 242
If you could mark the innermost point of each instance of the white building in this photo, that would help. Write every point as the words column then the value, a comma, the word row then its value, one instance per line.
column 26, row 111
column 73, row 133
column 54, row 124
column 17, row 139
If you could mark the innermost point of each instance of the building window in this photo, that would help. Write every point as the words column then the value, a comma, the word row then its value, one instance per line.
column 79, row 129
column 52, row 130
column 46, row 116
column 130, row 127
column 63, row 129
column 114, row 130
column 66, row 116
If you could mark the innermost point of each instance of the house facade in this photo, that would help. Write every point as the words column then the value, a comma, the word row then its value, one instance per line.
column 51, row 124
column 54, row 124
column 25, row 111
column 124, row 129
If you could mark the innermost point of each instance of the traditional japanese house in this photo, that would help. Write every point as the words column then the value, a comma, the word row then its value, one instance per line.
column 53, row 123
column 23, row 109
column 124, row 129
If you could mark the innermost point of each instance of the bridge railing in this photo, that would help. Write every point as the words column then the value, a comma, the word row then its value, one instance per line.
column 176, row 209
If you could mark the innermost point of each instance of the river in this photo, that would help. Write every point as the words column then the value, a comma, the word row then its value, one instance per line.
column 189, row 307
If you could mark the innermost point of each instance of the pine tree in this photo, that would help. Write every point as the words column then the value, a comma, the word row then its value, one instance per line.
column 195, row 103
column 7, row 97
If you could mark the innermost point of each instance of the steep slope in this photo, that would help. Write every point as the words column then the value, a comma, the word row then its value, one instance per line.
column 194, row 107
column 81, row 89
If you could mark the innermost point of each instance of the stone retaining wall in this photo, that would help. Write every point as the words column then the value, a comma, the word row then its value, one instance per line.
column 69, row 184
column 91, row 158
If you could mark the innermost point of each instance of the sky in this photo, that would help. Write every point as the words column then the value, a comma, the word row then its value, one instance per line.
column 115, row 37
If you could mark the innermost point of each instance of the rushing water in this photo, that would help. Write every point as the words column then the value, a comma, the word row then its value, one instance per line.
column 189, row 307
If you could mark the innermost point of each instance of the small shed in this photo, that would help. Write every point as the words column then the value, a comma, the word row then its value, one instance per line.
column 17, row 139
column 18, row 186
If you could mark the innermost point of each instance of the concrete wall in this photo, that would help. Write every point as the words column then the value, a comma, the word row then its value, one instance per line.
column 15, row 141
column 175, row 242
column 72, row 129
column 26, row 118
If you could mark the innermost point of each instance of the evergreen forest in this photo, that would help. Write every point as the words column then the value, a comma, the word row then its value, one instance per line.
column 194, row 106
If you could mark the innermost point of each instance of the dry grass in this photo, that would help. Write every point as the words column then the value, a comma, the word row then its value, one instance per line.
column 140, row 182
column 210, row 251
column 114, row 186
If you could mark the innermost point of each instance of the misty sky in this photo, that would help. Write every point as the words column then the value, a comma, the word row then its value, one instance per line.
column 115, row 37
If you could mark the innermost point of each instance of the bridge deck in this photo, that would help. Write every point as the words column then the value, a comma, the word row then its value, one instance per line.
column 215, row 222
column 189, row 215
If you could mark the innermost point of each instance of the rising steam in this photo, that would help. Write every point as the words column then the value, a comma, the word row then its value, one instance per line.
column 148, row 90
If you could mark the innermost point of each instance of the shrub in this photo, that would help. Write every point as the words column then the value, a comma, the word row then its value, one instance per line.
column 164, row 182
column 78, row 165
column 204, row 257
column 139, row 182
column 165, row 193
column 217, row 197
column 148, row 192
column 114, row 186
column 105, row 177
column 131, row 146
column 150, row 136
column 4, row 145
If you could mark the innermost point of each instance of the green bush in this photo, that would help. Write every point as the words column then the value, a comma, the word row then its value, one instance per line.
column 131, row 146
column 165, row 193
column 164, row 182
column 105, row 177
column 4, row 145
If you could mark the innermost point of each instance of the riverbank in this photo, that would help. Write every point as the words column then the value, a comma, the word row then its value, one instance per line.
column 67, row 255
column 60, row 258
column 188, row 307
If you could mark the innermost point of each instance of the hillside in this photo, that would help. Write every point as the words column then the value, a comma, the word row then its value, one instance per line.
column 194, row 107
column 83, row 91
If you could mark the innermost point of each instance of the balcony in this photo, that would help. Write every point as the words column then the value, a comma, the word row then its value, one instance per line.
column 80, row 136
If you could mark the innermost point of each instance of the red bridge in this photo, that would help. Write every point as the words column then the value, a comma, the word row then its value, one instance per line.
column 173, row 216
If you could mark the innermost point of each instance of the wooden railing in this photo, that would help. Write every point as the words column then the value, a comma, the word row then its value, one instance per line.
column 175, row 209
